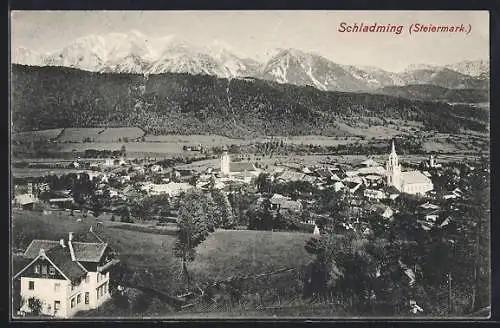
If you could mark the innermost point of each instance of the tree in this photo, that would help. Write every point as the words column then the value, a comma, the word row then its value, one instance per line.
column 35, row 305
column 194, row 227
column 263, row 183
column 223, row 211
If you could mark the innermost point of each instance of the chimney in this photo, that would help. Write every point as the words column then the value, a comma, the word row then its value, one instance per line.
column 61, row 242
column 70, row 245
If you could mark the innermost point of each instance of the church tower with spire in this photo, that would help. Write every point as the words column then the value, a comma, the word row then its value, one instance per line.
column 393, row 169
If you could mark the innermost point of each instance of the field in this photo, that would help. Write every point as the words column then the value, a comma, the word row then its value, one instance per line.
column 35, row 172
column 222, row 255
column 78, row 134
column 34, row 135
column 231, row 252
column 116, row 134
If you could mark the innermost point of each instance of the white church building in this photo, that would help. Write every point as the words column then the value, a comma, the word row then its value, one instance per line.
column 243, row 171
column 410, row 182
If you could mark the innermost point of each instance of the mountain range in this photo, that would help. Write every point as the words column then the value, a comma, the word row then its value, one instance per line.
column 133, row 52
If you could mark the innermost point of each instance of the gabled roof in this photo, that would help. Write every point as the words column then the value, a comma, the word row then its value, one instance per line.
column 89, row 252
column 25, row 199
column 291, row 176
column 34, row 247
column 85, row 252
column 61, row 257
column 241, row 166
column 411, row 177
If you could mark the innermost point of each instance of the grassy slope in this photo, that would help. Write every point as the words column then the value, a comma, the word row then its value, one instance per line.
column 223, row 254
column 231, row 252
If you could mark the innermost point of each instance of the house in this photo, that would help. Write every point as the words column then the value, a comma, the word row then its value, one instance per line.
column 66, row 276
column 369, row 163
column 380, row 209
column 280, row 202
column 338, row 185
column 374, row 194
column 375, row 170
column 24, row 201
column 109, row 162
column 64, row 202
column 171, row 189
column 156, row 168
column 289, row 176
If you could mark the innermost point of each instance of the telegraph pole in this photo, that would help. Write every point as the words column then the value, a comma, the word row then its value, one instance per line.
column 450, row 304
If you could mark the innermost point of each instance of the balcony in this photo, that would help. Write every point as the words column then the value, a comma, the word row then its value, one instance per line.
column 108, row 265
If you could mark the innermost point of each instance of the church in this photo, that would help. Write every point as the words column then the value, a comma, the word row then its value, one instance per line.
column 237, row 169
column 410, row 182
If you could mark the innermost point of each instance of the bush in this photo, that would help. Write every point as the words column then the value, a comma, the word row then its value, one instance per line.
column 126, row 219
column 35, row 305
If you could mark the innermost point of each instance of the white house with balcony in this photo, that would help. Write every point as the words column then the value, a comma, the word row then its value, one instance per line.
column 66, row 276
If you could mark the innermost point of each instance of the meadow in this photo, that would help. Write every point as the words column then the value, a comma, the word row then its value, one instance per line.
column 225, row 253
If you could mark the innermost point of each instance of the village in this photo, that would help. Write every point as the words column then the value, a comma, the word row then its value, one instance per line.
column 316, row 199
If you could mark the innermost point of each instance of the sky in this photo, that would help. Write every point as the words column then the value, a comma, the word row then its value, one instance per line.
column 255, row 33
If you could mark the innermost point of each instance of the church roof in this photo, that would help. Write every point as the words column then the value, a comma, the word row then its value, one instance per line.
column 241, row 166
column 414, row 177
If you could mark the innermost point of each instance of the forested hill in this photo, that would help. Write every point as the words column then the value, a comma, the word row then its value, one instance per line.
column 55, row 97
column 437, row 93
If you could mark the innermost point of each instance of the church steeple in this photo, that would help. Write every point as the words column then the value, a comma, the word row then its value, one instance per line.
column 393, row 169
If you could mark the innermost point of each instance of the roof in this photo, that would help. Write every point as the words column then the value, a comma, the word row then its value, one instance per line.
column 58, row 200
column 171, row 187
column 324, row 173
column 411, row 177
column 34, row 248
column 291, row 176
column 61, row 257
column 89, row 252
column 370, row 162
column 308, row 178
column 25, row 199
column 85, row 252
column 391, row 190
column 379, row 170
column 241, row 166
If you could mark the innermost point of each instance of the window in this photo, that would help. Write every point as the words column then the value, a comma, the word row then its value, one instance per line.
column 97, row 290
column 57, row 287
column 98, row 276
column 52, row 271
column 44, row 269
column 87, row 298
column 57, row 306
column 37, row 268
column 73, row 302
column 31, row 285
column 78, row 298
